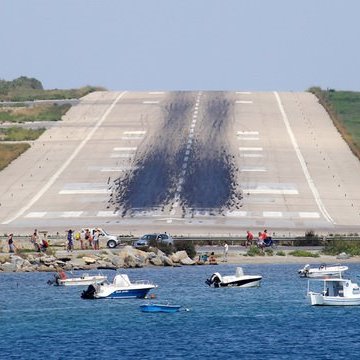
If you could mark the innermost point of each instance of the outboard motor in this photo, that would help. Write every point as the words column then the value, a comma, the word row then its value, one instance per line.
column 215, row 280
column 89, row 293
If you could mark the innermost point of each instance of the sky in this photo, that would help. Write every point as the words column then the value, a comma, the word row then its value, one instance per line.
column 255, row 45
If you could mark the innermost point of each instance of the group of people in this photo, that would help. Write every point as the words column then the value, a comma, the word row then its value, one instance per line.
column 263, row 239
column 88, row 239
column 39, row 245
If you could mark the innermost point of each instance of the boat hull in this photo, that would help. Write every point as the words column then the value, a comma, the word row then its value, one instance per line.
column 318, row 299
column 81, row 281
column 242, row 283
column 124, row 294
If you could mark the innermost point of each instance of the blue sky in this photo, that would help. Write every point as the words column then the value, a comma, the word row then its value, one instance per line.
column 258, row 45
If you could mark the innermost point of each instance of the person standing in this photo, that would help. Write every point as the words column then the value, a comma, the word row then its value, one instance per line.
column 35, row 241
column 12, row 247
column 226, row 249
column 70, row 244
column 96, row 239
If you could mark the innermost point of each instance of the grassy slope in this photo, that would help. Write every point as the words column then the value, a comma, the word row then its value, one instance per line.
column 9, row 152
column 344, row 109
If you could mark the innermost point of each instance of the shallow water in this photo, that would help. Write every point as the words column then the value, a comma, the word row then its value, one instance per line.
column 274, row 321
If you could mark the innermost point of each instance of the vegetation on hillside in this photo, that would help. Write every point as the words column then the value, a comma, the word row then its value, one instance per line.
column 344, row 109
column 27, row 89
column 9, row 152
column 43, row 112
column 16, row 133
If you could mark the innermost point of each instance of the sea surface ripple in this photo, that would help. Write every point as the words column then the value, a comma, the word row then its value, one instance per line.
column 275, row 321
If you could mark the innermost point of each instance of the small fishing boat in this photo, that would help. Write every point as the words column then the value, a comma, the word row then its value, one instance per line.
column 60, row 279
column 322, row 271
column 120, row 288
column 239, row 279
column 155, row 308
column 335, row 291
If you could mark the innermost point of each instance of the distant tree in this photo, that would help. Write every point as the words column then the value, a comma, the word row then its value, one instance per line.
column 29, row 83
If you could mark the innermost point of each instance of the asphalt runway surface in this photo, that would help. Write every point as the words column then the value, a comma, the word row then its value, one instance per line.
column 186, row 163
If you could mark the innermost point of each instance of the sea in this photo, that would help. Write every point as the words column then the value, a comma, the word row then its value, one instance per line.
column 274, row 321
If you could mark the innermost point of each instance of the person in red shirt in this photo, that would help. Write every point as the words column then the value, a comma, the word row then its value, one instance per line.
column 249, row 238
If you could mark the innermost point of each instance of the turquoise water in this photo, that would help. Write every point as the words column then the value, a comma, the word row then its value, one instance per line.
column 274, row 321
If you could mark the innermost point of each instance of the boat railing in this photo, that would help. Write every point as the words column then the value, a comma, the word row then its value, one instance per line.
column 142, row 282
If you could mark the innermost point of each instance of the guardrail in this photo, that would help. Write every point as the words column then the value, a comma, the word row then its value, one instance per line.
column 213, row 240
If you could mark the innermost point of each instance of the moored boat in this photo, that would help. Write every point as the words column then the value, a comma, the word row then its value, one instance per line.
column 336, row 291
column 238, row 280
column 323, row 270
column 120, row 288
column 166, row 308
column 60, row 279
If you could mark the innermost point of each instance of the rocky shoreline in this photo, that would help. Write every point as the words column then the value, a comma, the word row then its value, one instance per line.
column 127, row 257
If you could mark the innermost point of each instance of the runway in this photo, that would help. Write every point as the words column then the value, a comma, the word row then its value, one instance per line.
column 186, row 163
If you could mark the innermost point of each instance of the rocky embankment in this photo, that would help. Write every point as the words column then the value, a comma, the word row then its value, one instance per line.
column 128, row 257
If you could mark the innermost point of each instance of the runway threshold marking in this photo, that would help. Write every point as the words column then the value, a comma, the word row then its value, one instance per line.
column 301, row 159
column 64, row 166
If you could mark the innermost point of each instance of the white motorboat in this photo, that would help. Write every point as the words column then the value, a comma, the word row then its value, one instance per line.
column 322, row 271
column 120, row 288
column 239, row 279
column 61, row 279
column 335, row 291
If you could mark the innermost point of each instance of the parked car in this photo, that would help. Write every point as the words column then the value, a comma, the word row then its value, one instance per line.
column 147, row 238
column 112, row 241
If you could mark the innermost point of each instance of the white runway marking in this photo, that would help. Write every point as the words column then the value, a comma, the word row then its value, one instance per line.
column 237, row 213
column 253, row 169
column 156, row 92
column 53, row 178
column 252, row 155
column 244, row 92
column 272, row 214
column 133, row 137
column 244, row 102
column 248, row 138
column 83, row 191
column 71, row 214
column 124, row 148
column 303, row 163
column 248, row 133
column 106, row 214
column 250, row 148
column 263, row 190
column 149, row 102
column 311, row 215
column 36, row 214
column 117, row 168
column 123, row 155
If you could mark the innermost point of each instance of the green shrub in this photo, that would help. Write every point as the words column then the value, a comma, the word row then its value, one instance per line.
column 280, row 253
column 186, row 245
column 335, row 247
column 303, row 253
column 269, row 252
column 255, row 251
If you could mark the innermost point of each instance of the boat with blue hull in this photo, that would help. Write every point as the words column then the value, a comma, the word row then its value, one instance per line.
column 120, row 288
column 155, row 308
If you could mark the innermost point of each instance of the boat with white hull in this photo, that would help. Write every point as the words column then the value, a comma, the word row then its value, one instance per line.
column 60, row 279
column 337, row 291
column 237, row 280
column 120, row 288
column 322, row 271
